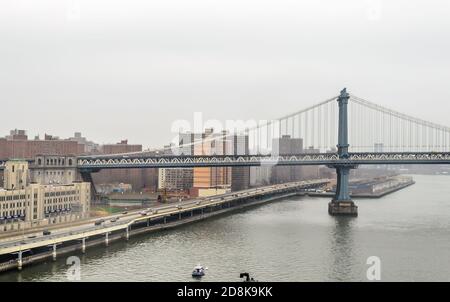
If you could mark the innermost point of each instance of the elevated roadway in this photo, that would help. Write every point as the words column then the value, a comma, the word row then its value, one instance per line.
column 123, row 223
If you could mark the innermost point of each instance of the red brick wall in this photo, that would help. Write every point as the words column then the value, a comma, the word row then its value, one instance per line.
column 31, row 148
column 138, row 178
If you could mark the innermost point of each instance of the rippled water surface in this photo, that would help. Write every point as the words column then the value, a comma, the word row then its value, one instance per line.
column 289, row 240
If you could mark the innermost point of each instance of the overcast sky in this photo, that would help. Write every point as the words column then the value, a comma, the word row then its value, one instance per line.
column 116, row 69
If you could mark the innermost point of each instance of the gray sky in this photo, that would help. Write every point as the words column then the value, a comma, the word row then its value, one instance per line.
column 116, row 69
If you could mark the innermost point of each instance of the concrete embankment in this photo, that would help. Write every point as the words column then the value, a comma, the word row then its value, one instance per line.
column 364, row 195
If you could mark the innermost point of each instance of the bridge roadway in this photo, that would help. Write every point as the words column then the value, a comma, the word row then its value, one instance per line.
column 124, row 161
column 94, row 163
column 19, row 244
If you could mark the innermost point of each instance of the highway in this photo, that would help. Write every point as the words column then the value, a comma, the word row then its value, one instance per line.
column 124, row 221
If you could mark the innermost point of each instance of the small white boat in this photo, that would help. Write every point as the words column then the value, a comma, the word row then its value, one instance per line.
column 199, row 271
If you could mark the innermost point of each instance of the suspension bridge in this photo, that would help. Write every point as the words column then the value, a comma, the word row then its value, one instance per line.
column 378, row 136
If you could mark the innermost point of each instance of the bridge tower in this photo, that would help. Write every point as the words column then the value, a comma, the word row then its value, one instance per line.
column 342, row 204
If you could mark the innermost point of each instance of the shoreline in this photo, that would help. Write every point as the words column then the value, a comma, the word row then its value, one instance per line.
column 365, row 195
column 77, row 247
column 42, row 257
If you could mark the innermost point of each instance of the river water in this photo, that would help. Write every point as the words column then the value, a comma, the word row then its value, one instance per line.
column 289, row 240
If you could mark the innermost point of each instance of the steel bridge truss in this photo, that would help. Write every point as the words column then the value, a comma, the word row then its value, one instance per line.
column 328, row 159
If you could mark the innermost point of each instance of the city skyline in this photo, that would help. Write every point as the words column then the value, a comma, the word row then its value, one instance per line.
column 175, row 59
column 265, row 141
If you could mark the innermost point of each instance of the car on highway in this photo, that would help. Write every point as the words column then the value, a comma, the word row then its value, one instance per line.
column 99, row 222
column 125, row 213
column 143, row 213
column 114, row 219
column 46, row 232
column 179, row 207
column 31, row 237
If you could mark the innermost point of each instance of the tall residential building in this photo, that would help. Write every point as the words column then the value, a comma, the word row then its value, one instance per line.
column 17, row 145
column 138, row 178
column 206, row 180
column 309, row 172
column 260, row 176
column 210, row 143
column 28, row 198
column 175, row 179
column 186, row 143
column 286, row 145
column 240, row 176
column 89, row 147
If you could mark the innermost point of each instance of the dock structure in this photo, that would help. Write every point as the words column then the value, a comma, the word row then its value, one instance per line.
column 19, row 252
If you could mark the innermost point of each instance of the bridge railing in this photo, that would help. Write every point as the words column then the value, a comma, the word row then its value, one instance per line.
column 261, row 160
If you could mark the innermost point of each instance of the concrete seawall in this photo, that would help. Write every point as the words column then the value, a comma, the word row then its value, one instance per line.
column 364, row 195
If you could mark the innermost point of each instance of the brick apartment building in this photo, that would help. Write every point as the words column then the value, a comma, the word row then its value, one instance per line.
column 138, row 178
column 17, row 145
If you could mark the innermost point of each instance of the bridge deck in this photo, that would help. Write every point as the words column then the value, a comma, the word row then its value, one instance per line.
column 262, row 160
column 90, row 163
